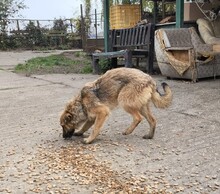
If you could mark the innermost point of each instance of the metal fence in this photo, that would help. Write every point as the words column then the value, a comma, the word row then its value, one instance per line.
column 60, row 33
column 27, row 33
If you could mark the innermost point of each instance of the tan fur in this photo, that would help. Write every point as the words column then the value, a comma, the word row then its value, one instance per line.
column 128, row 88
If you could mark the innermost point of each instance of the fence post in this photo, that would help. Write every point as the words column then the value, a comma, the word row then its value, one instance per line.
column 83, row 31
column 71, row 25
column 96, row 32
column 18, row 27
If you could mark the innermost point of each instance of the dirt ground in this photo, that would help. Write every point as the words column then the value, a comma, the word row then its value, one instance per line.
column 182, row 158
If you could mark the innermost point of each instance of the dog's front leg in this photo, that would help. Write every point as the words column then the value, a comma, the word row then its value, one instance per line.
column 101, row 113
column 84, row 128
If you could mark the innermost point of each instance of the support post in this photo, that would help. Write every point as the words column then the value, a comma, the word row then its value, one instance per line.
column 155, row 10
column 179, row 13
column 106, row 25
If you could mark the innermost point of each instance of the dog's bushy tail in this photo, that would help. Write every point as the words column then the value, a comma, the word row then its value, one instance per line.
column 162, row 100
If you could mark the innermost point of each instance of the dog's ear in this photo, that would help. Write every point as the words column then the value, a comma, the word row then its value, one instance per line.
column 68, row 117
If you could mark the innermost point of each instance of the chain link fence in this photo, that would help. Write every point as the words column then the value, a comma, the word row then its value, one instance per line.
column 82, row 32
column 38, row 34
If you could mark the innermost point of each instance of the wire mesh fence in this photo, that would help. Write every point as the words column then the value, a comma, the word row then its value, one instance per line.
column 30, row 34
column 50, row 34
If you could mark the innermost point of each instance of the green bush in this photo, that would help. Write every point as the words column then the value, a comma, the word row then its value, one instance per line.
column 86, row 69
column 105, row 65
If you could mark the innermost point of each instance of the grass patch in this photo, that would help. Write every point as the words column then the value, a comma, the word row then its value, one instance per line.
column 67, row 62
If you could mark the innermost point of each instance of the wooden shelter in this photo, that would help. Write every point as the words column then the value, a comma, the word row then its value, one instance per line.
column 179, row 17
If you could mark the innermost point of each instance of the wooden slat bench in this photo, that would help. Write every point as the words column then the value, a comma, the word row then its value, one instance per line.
column 59, row 34
column 135, row 42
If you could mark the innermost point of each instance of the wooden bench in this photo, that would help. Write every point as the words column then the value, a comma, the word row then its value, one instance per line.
column 59, row 34
column 136, row 42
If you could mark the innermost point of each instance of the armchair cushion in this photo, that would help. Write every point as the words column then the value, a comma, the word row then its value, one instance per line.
column 209, row 30
column 216, row 27
column 172, row 38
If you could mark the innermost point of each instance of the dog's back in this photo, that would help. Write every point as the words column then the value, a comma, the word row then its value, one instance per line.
column 124, row 86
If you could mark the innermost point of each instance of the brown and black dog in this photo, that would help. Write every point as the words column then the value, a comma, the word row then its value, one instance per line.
column 129, row 88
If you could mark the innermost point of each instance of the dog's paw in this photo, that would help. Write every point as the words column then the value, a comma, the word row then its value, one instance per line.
column 126, row 132
column 78, row 134
column 86, row 141
column 147, row 137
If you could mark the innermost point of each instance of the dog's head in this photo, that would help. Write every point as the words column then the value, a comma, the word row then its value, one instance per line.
column 68, row 124
column 72, row 118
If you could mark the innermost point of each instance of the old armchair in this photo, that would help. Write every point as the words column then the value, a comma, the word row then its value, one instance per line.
column 181, row 53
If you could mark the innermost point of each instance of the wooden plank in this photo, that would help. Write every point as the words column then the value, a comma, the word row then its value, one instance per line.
column 126, row 37
column 123, row 38
column 120, row 40
column 144, row 36
column 140, row 36
column 133, row 36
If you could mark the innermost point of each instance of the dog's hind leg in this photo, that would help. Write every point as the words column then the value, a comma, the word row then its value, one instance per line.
column 101, row 113
column 151, row 120
column 84, row 128
column 137, row 118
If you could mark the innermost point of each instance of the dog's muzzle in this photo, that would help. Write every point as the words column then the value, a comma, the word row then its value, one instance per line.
column 67, row 134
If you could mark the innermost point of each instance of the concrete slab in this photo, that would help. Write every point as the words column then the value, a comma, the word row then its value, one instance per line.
column 182, row 158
